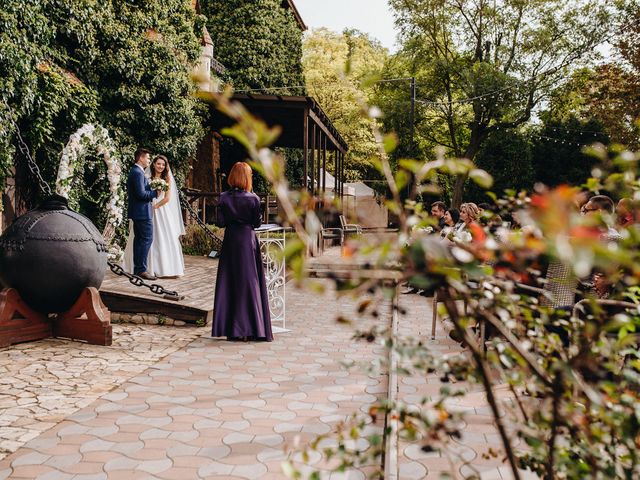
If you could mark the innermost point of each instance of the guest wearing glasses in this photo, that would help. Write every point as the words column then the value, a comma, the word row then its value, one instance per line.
column 604, row 206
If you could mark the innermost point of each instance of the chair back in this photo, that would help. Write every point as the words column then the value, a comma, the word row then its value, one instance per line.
column 343, row 221
column 561, row 283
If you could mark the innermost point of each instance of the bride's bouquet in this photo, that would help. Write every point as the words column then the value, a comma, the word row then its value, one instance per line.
column 159, row 184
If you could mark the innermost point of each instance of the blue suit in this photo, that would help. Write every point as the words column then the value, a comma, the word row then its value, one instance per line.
column 139, row 210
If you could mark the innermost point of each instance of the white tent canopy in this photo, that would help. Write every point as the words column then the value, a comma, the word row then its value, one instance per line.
column 360, row 202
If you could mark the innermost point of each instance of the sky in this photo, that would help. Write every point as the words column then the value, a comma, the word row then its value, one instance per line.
column 371, row 16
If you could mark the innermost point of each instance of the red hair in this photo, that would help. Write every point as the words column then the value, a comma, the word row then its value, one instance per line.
column 241, row 176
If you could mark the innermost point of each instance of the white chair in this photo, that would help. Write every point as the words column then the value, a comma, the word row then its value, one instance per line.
column 349, row 228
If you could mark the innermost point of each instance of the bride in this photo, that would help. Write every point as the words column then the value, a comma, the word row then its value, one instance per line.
column 165, row 255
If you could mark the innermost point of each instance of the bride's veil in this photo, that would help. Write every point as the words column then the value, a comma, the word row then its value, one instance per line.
column 174, row 206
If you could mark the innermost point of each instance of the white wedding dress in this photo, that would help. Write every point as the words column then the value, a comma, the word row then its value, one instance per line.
column 165, row 255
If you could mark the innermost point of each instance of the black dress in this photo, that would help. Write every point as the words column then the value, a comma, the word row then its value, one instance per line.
column 241, row 303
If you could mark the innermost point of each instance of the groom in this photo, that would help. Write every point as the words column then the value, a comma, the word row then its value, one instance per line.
column 140, row 196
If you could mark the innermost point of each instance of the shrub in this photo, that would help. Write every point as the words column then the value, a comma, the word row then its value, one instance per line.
column 196, row 242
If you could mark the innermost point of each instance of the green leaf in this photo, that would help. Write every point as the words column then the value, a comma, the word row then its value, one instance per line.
column 390, row 142
column 289, row 470
column 481, row 177
column 402, row 179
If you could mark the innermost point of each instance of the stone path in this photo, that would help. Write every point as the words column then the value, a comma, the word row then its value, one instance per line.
column 215, row 409
column 167, row 402
column 478, row 452
column 43, row 382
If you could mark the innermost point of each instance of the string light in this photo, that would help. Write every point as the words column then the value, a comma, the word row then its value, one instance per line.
column 574, row 130
column 494, row 95
column 562, row 141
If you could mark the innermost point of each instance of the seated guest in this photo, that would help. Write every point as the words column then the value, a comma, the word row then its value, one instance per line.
column 598, row 284
column 485, row 213
column 469, row 231
column 625, row 213
column 451, row 218
column 438, row 210
column 603, row 205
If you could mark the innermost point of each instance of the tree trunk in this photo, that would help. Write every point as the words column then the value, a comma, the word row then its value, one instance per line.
column 458, row 187
column 458, row 191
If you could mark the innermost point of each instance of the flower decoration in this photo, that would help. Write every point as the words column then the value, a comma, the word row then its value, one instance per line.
column 92, row 139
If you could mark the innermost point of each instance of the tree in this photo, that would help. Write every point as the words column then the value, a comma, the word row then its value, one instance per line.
column 484, row 66
column 148, row 50
column 608, row 93
column 628, row 38
column 612, row 97
column 558, row 156
column 336, row 68
column 507, row 155
column 258, row 41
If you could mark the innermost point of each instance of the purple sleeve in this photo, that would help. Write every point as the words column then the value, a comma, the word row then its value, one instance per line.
column 257, row 214
column 221, row 221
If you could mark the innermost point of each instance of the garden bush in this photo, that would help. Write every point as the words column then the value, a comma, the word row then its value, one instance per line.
column 196, row 242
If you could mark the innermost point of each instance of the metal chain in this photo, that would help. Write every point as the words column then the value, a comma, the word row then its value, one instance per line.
column 24, row 150
column 139, row 282
column 46, row 188
column 217, row 243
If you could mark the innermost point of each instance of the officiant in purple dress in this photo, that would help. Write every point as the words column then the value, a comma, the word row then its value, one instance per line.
column 241, row 304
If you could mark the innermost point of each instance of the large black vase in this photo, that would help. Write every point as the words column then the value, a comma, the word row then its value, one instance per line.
column 50, row 254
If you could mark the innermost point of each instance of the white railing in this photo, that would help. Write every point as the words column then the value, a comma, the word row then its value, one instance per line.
column 272, row 243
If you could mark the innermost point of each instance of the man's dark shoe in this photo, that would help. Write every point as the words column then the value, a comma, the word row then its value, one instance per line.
column 146, row 276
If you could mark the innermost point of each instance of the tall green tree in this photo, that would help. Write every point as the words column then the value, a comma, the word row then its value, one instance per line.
column 337, row 67
column 608, row 94
column 484, row 66
column 258, row 41
column 507, row 155
column 558, row 150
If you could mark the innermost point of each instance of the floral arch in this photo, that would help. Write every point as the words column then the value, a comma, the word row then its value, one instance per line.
column 92, row 138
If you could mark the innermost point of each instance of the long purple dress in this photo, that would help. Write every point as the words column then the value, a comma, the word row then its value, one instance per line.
column 241, row 304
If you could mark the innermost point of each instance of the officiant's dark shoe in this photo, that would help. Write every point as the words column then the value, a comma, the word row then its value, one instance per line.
column 146, row 276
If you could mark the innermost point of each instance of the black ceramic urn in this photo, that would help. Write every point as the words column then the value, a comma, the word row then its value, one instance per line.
column 50, row 254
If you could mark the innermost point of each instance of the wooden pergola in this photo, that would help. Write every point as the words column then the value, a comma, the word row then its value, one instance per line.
column 304, row 126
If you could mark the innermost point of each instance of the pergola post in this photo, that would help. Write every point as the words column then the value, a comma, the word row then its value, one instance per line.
column 335, row 174
column 339, row 189
column 305, row 147
column 324, row 166
column 312, row 166
column 342, row 176
column 318, row 163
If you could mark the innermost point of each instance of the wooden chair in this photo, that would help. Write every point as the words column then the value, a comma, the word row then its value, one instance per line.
column 270, row 209
column 349, row 228
column 331, row 234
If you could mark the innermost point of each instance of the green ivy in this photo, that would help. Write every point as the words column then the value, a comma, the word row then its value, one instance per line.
column 258, row 41
column 124, row 64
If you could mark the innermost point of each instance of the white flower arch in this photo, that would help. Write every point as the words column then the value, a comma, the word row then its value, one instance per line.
column 87, row 139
